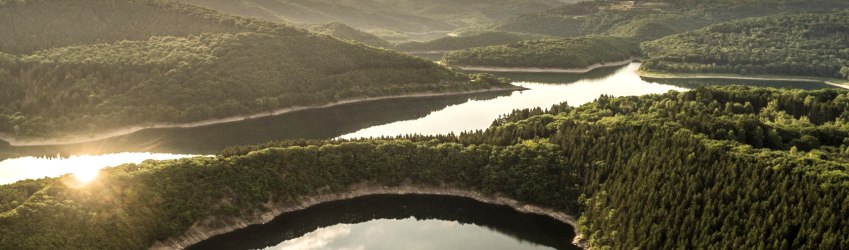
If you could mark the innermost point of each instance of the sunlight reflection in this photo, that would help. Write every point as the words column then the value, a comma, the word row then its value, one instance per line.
column 479, row 114
column 85, row 168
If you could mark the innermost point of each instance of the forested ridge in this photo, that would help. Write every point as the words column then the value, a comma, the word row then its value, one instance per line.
column 578, row 52
column 798, row 44
column 94, row 65
column 719, row 167
column 650, row 20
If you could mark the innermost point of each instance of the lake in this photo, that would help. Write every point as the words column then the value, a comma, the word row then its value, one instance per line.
column 401, row 222
column 425, row 115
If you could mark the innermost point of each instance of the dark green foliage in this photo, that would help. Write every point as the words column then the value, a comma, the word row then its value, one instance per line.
column 344, row 32
column 650, row 172
column 468, row 40
column 577, row 52
column 800, row 44
column 258, row 67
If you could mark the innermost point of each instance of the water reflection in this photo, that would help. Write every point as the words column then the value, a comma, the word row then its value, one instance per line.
column 84, row 167
column 401, row 222
column 426, row 115
column 474, row 115
column 308, row 124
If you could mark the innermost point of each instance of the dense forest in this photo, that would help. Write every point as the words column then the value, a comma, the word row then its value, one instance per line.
column 579, row 52
column 720, row 167
column 796, row 44
column 133, row 62
column 468, row 40
column 651, row 19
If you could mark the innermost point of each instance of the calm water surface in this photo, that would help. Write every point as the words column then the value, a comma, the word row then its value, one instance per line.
column 429, row 115
column 401, row 222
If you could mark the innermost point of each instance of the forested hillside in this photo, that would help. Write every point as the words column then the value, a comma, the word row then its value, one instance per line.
column 29, row 26
column 800, row 45
column 731, row 167
column 345, row 32
column 468, row 40
column 651, row 19
column 569, row 53
column 112, row 67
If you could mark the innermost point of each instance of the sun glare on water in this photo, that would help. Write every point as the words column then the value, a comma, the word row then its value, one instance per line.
column 85, row 168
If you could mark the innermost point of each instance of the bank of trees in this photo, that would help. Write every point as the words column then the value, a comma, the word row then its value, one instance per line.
column 650, row 172
column 579, row 52
column 801, row 45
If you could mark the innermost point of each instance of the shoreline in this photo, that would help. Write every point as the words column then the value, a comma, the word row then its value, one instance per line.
column 545, row 70
column 17, row 142
column 661, row 75
column 206, row 229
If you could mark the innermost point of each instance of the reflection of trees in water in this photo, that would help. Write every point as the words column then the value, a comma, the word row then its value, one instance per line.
column 695, row 83
column 307, row 124
column 538, row 229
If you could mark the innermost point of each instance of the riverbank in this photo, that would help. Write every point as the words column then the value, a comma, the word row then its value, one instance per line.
column 545, row 70
column 662, row 75
column 129, row 130
column 209, row 228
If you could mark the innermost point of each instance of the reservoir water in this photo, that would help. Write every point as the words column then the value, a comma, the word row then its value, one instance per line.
column 425, row 115
column 401, row 222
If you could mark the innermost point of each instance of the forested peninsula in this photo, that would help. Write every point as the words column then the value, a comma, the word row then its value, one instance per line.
column 717, row 167
column 87, row 66
column 568, row 53
column 813, row 45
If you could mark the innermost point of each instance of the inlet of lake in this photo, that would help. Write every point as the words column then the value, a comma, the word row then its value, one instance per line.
column 391, row 117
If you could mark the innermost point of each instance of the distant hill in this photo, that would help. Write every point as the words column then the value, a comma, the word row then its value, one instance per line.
column 569, row 53
column 651, row 20
column 468, row 40
column 85, row 66
column 345, row 32
column 400, row 15
column 795, row 44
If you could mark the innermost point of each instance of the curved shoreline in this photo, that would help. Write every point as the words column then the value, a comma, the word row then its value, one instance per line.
column 545, row 70
column 202, row 230
column 660, row 75
column 130, row 130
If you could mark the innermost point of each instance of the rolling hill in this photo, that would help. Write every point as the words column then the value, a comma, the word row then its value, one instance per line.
column 412, row 16
column 796, row 44
column 147, row 62
column 651, row 20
